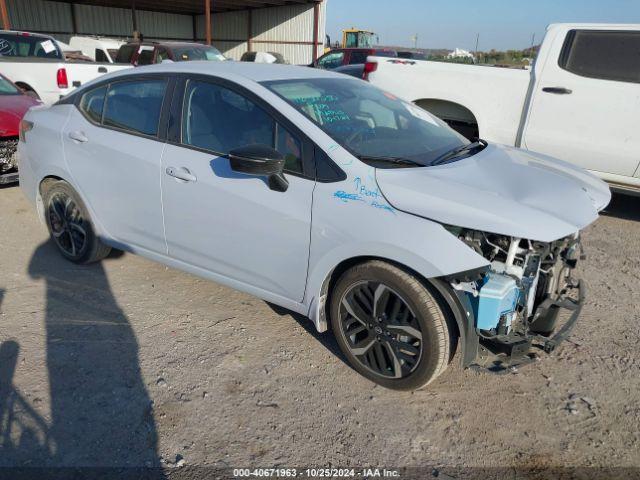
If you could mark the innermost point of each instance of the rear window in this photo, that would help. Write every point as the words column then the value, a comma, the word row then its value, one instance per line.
column 125, row 53
column 24, row 45
column 197, row 52
column 606, row 55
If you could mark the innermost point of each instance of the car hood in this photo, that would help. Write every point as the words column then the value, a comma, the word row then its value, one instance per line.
column 12, row 109
column 500, row 190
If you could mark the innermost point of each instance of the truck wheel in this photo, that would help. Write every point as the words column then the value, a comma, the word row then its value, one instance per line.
column 389, row 326
column 70, row 226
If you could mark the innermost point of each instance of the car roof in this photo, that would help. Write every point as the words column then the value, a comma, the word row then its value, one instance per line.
column 257, row 72
column 168, row 44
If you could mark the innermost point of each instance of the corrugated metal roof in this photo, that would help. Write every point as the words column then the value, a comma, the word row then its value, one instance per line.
column 191, row 6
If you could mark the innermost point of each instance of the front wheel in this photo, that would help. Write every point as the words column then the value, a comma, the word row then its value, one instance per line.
column 70, row 226
column 389, row 326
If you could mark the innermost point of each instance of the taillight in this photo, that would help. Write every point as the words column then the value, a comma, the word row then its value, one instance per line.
column 369, row 67
column 61, row 77
column 25, row 126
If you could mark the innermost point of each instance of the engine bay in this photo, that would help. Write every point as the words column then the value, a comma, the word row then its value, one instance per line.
column 517, row 300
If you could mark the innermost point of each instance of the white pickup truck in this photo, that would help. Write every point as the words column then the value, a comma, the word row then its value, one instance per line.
column 35, row 63
column 580, row 102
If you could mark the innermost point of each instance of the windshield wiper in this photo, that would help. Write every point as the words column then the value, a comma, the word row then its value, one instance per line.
column 400, row 161
column 458, row 152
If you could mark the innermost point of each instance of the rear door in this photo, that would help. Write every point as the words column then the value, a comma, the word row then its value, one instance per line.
column 113, row 145
column 224, row 222
column 586, row 104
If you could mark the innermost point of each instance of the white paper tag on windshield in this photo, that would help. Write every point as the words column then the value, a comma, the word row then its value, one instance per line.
column 421, row 114
column 48, row 46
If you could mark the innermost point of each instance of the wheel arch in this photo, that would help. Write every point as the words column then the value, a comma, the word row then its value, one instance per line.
column 26, row 86
column 454, row 311
column 454, row 113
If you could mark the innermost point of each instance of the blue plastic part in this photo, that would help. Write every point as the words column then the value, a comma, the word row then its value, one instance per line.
column 498, row 297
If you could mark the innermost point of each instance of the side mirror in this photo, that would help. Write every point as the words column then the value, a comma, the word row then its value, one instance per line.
column 260, row 160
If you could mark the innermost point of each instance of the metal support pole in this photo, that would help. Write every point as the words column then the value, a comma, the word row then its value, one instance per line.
column 207, row 20
column 134, row 21
column 5, row 15
column 74, row 18
column 249, row 30
column 316, row 30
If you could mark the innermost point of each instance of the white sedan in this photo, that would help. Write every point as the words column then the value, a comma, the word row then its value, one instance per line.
column 324, row 195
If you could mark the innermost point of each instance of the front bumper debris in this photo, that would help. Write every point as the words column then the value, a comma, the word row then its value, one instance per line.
column 8, row 160
column 502, row 353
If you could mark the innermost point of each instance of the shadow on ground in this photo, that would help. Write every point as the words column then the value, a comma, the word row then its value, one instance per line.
column 327, row 339
column 626, row 207
column 101, row 412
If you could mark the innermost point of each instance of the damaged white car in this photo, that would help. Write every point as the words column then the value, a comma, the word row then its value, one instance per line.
column 326, row 196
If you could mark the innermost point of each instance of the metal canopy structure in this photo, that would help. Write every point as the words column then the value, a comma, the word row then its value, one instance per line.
column 191, row 7
column 295, row 28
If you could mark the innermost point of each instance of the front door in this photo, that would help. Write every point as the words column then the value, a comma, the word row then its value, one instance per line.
column 112, row 147
column 585, row 107
column 225, row 222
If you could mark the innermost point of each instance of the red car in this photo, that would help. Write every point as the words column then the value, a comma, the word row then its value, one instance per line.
column 13, row 105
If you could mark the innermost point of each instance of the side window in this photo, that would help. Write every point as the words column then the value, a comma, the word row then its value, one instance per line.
column 220, row 120
column 162, row 55
column 331, row 60
column 358, row 57
column 92, row 103
column 135, row 105
column 605, row 55
column 101, row 56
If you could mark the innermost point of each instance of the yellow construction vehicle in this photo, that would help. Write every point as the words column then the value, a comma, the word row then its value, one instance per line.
column 353, row 38
column 356, row 38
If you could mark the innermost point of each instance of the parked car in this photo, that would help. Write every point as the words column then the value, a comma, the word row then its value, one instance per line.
column 146, row 53
column 13, row 105
column 36, row 64
column 100, row 49
column 580, row 103
column 323, row 195
column 349, row 56
column 263, row 57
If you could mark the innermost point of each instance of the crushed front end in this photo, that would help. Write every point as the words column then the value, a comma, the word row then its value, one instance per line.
column 8, row 160
column 515, row 303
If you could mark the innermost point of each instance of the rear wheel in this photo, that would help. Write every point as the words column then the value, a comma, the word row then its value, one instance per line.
column 389, row 326
column 70, row 226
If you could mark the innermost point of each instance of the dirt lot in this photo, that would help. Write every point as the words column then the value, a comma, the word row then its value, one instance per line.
column 129, row 363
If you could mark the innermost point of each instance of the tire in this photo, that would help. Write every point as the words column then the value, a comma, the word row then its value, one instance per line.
column 405, row 343
column 70, row 226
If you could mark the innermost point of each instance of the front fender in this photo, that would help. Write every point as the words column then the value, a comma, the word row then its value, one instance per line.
column 347, row 227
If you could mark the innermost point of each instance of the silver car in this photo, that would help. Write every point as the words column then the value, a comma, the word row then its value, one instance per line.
column 323, row 195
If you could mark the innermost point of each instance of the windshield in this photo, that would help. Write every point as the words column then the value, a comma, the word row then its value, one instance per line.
column 7, row 88
column 368, row 122
column 25, row 45
column 183, row 54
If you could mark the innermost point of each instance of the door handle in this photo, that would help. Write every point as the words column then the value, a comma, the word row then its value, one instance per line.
column 79, row 137
column 557, row 90
column 181, row 174
column 102, row 69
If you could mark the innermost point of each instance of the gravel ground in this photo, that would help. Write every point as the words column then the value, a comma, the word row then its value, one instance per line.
column 130, row 363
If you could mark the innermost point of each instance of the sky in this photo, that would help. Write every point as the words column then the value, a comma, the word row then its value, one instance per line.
column 502, row 24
